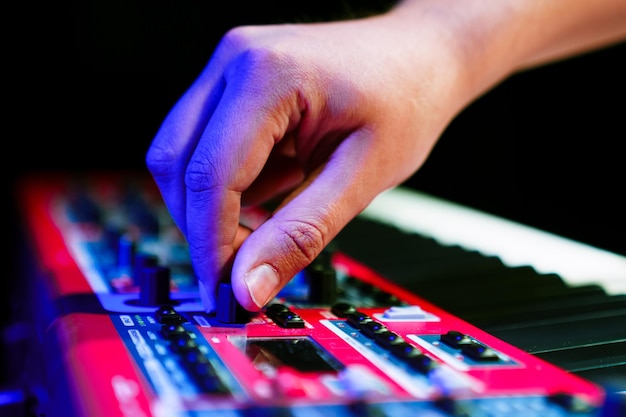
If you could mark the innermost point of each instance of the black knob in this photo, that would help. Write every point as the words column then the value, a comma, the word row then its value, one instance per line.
column 141, row 262
column 322, row 280
column 126, row 247
column 228, row 310
column 154, row 282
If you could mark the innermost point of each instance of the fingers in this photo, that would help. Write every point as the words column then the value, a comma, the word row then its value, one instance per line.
column 224, row 143
column 227, row 159
column 176, row 141
column 296, row 233
column 212, row 146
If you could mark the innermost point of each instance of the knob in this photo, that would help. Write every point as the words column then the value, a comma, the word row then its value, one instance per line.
column 322, row 280
column 154, row 283
column 228, row 310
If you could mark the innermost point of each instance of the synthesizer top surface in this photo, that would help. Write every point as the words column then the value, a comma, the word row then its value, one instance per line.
column 123, row 331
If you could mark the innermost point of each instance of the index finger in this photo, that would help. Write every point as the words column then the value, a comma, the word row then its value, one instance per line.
column 229, row 156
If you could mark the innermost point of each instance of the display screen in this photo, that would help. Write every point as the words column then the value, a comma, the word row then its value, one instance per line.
column 302, row 354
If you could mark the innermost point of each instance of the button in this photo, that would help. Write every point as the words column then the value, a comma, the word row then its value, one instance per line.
column 275, row 308
column 288, row 320
column 283, row 316
column 388, row 338
column 455, row 339
column 167, row 315
column 182, row 342
column 342, row 310
column 372, row 328
column 357, row 318
column 404, row 350
column 169, row 331
column 421, row 363
column 405, row 313
column 479, row 352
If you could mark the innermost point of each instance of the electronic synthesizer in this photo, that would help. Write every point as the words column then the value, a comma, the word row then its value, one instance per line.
column 123, row 332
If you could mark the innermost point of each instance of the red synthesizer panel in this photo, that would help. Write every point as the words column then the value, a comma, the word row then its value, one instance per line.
column 123, row 331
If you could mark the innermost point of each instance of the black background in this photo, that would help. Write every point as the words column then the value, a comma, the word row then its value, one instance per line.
column 94, row 80
column 88, row 83
column 91, row 82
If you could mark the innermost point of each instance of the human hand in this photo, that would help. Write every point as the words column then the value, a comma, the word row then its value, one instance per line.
column 322, row 116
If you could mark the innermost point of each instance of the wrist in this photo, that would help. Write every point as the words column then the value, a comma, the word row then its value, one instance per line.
column 482, row 40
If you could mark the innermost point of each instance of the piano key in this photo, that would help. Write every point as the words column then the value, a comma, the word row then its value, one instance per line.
column 566, row 309
column 575, row 322
column 585, row 358
column 514, row 243
column 566, row 335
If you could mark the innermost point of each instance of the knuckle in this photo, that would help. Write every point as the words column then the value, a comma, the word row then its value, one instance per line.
column 237, row 37
column 200, row 175
column 256, row 61
column 307, row 238
column 160, row 160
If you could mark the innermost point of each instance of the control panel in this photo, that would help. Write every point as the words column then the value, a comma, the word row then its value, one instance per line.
column 125, row 334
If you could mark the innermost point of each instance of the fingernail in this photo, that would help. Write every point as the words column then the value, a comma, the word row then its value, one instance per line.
column 261, row 282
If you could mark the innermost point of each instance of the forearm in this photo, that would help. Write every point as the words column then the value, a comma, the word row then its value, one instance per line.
column 493, row 39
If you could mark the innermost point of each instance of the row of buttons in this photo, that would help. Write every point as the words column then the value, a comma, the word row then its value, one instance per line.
column 283, row 316
column 469, row 347
column 183, row 343
column 385, row 338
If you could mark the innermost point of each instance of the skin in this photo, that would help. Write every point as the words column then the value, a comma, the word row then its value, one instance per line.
column 325, row 116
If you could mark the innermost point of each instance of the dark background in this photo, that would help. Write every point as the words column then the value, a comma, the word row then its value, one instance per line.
column 88, row 83
column 91, row 82
column 95, row 79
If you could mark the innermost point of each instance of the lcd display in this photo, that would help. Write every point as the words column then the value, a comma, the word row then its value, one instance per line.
column 302, row 354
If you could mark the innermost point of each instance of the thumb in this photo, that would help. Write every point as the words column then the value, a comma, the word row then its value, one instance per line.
column 301, row 228
column 273, row 254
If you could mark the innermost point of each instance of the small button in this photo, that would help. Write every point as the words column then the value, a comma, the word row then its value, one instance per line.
column 421, row 363
column 167, row 315
column 455, row 339
column 342, row 310
column 388, row 338
column 372, row 328
column 409, row 313
column 404, row 350
column 275, row 308
column 289, row 320
column 357, row 318
column 182, row 342
column 283, row 316
column 169, row 331
column 479, row 352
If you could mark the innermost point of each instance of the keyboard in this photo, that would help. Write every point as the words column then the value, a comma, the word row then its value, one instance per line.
column 559, row 299
column 387, row 321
